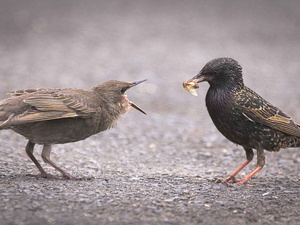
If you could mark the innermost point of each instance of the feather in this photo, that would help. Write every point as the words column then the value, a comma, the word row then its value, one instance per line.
column 256, row 109
column 46, row 104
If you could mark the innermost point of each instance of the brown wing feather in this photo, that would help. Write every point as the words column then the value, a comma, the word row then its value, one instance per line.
column 78, row 105
column 61, row 102
column 28, row 91
column 46, row 104
column 256, row 109
column 37, row 116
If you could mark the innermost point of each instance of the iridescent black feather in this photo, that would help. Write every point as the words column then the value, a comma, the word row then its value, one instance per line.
column 243, row 116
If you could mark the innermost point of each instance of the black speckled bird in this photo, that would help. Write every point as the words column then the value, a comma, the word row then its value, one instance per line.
column 243, row 116
column 56, row 116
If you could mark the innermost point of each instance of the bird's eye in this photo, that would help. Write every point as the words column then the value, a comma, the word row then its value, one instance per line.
column 123, row 90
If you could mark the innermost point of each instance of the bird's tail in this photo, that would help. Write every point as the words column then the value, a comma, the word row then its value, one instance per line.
column 2, row 120
column 292, row 141
column 4, row 117
column 5, row 120
column 298, row 144
column 297, row 138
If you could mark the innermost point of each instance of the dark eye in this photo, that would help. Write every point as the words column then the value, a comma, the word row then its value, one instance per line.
column 123, row 90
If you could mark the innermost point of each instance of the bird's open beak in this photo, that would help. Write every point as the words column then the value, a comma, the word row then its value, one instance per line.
column 136, row 107
column 131, row 103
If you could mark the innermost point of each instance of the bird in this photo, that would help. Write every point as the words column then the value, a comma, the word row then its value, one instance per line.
column 243, row 116
column 49, row 116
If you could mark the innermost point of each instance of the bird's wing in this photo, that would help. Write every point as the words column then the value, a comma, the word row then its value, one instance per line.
column 257, row 109
column 28, row 91
column 52, row 105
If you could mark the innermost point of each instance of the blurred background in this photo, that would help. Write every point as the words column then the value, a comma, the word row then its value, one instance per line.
column 81, row 43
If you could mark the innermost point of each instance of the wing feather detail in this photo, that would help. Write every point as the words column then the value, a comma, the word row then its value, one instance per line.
column 26, row 91
column 256, row 109
column 50, row 104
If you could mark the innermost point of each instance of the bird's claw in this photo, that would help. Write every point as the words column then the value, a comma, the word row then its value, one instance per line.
column 64, row 177
column 43, row 175
column 244, row 182
column 230, row 181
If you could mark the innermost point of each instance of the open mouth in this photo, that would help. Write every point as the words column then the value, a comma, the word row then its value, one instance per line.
column 126, row 101
column 136, row 107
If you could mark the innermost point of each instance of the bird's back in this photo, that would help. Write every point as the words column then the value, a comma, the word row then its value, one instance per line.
column 52, row 115
column 32, row 105
column 257, row 109
column 247, row 119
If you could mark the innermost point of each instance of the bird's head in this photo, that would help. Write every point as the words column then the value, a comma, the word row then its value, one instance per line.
column 219, row 72
column 115, row 93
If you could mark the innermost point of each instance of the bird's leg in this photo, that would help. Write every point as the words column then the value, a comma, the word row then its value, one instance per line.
column 231, row 178
column 46, row 157
column 29, row 152
column 259, row 166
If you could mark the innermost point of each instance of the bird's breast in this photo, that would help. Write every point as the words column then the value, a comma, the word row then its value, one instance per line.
column 218, row 102
column 225, row 115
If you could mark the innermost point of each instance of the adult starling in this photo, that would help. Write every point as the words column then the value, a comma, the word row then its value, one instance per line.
column 57, row 116
column 243, row 116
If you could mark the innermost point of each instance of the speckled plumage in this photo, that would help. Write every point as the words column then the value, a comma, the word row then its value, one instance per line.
column 243, row 116
column 49, row 116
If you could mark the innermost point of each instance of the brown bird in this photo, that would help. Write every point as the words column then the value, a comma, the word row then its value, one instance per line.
column 56, row 116
column 243, row 116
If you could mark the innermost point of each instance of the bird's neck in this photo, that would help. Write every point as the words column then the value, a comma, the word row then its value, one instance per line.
column 108, row 118
column 216, row 98
column 219, row 97
column 225, row 90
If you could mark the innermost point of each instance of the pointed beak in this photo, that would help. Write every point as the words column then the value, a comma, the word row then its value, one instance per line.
column 196, row 79
column 131, row 103
column 137, row 82
column 136, row 107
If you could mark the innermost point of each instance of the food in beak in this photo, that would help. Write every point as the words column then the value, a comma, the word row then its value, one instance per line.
column 191, row 87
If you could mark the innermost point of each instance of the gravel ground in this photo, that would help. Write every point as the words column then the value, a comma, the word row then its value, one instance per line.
column 154, row 169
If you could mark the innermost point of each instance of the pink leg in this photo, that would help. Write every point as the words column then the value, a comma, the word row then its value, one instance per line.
column 231, row 179
column 248, row 177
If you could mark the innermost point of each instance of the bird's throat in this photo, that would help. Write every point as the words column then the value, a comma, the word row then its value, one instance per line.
column 125, row 104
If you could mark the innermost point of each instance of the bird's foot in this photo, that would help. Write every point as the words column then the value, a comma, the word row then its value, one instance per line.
column 64, row 177
column 231, row 180
column 228, row 181
column 67, row 176
column 44, row 175
column 240, row 182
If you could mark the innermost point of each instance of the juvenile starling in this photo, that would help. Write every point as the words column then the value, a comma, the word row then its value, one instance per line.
column 243, row 116
column 58, row 116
